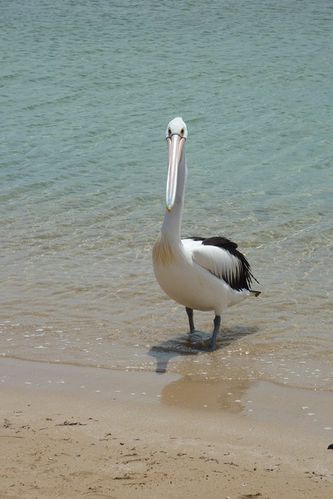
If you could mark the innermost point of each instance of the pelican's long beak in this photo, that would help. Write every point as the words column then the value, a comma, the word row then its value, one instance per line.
column 175, row 144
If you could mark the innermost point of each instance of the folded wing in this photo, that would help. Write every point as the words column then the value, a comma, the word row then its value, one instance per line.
column 220, row 257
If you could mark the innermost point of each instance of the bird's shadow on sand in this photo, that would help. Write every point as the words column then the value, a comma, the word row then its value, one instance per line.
column 194, row 344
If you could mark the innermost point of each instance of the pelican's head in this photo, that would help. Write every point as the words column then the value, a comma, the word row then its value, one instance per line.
column 176, row 135
column 177, row 126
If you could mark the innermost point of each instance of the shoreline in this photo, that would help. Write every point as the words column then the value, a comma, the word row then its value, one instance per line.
column 126, row 440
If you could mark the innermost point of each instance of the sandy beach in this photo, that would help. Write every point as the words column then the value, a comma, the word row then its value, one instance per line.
column 61, row 436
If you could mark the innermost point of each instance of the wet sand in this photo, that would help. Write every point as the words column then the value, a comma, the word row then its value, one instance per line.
column 69, row 431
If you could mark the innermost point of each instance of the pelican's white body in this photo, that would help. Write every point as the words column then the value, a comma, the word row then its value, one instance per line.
column 187, row 282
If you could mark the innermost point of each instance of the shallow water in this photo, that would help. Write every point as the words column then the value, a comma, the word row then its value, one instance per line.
column 86, row 92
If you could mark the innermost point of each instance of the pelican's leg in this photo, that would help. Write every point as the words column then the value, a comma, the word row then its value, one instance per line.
column 189, row 312
column 217, row 324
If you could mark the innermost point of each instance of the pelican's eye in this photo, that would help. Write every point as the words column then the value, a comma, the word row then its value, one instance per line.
column 169, row 132
column 182, row 132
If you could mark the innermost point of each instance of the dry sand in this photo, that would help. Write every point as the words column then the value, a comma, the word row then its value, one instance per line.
column 60, row 440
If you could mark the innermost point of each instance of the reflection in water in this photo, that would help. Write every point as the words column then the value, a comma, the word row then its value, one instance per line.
column 194, row 392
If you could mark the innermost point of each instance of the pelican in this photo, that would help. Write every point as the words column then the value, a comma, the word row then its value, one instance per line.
column 207, row 274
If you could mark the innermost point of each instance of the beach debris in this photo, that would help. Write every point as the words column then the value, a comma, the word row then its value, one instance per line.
column 314, row 475
column 72, row 423
column 6, row 423
column 330, row 447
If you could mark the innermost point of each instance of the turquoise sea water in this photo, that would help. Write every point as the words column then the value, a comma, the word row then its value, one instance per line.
column 87, row 89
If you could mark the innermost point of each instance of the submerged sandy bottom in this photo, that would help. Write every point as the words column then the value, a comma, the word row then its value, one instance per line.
column 68, row 431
